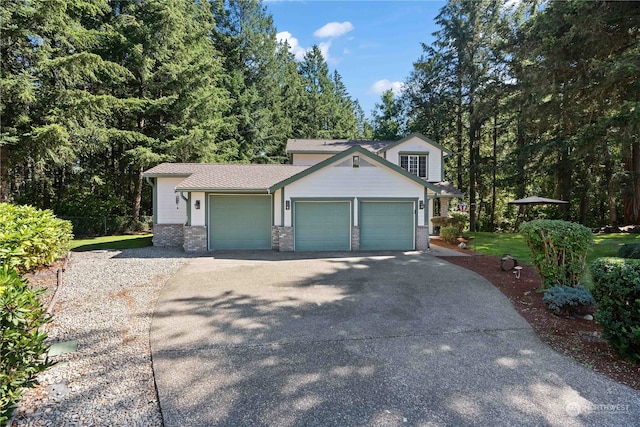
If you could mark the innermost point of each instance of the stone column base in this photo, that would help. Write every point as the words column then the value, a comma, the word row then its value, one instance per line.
column 195, row 238
column 168, row 235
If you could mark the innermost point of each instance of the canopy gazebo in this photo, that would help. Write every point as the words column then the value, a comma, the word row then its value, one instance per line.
column 535, row 201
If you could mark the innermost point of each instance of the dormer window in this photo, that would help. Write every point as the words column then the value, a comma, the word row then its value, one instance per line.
column 414, row 163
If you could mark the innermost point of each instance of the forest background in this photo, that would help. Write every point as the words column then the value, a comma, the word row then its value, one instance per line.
column 531, row 97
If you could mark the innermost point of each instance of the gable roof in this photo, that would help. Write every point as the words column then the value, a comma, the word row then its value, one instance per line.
column 327, row 146
column 445, row 151
column 448, row 190
column 224, row 177
column 351, row 151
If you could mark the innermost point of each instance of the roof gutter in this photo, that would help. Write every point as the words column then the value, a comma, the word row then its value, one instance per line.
column 227, row 190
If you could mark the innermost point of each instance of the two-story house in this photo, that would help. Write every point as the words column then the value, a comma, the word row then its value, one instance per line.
column 336, row 195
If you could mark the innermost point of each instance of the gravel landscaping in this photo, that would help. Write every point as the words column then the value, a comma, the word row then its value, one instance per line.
column 106, row 304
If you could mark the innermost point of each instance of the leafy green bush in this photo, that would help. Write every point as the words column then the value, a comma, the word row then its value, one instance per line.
column 617, row 293
column 568, row 300
column 30, row 237
column 449, row 234
column 22, row 343
column 441, row 221
column 629, row 250
column 558, row 250
column 459, row 220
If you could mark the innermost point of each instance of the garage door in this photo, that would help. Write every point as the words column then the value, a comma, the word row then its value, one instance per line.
column 322, row 226
column 387, row 225
column 240, row 222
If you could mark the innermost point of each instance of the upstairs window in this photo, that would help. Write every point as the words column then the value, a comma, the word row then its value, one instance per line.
column 414, row 163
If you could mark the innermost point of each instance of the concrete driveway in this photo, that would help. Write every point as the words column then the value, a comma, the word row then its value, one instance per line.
column 266, row 339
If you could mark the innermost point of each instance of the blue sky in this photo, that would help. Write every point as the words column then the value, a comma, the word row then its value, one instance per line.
column 372, row 44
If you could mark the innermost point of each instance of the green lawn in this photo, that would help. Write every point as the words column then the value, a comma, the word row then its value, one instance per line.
column 112, row 242
column 497, row 244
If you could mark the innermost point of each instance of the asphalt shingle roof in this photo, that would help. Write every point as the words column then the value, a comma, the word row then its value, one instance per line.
column 332, row 145
column 201, row 176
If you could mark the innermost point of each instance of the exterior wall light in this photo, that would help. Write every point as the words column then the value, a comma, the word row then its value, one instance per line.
column 197, row 204
column 287, row 205
column 421, row 204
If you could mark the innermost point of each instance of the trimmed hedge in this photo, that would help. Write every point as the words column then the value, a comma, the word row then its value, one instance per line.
column 22, row 342
column 30, row 237
column 617, row 293
column 558, row 250
column 457, row 219
column 629, row 250
column 449, row 234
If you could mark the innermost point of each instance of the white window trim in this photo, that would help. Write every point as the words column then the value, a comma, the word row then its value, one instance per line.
column 413, row 164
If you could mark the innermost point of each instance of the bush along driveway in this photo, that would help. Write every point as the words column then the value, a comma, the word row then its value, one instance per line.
column 386, row 339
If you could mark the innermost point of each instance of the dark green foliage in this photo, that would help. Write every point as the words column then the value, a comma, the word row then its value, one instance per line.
column 95, row 91
column 558, row 250
column 457, row 220
column 567, row 300
column 22, row 342
column 450, row 234
column 387, row 118
column 617, row 293
column 442, row 221
column 30, row 237
column 629, row 250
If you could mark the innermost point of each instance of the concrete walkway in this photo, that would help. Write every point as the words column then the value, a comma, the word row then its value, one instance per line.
column 270, row 339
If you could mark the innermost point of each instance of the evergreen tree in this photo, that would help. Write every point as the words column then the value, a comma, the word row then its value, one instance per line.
column 387, row 118
column 319, row 95
column 246, row 37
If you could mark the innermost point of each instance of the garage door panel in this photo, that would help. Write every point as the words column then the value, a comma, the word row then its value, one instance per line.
column 387, row 225
column 322, row 226
column 240, row 222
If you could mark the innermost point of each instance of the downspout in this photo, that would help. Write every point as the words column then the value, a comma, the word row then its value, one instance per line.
column 154, row 198
column 186, row 201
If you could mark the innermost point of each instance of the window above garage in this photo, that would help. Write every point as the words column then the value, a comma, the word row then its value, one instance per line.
column 416, row 163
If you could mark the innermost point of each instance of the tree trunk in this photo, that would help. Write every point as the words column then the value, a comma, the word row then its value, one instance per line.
column 472, row 176
column 459, row 138
column 564, row 178
column 494, row 166
column 632, row 197
column 137, row 195
column 521, row 160
column 4, row 178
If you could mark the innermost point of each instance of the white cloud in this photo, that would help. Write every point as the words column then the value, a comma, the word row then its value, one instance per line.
column 334, row 29
column 381, row 86
column 324, row 49
column 294, row 45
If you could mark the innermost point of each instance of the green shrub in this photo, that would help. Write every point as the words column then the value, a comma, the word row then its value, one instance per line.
column 617, row 292
column 558, row 250
column 568, row 300
column 30, row 237
column 629, row 250
column 449, row 234
column 442, row 221
column 459, row 220
column 22, row 343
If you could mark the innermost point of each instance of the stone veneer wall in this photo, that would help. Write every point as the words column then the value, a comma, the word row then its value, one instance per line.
column 355, row 238
column 282, row 238
column 422, row 238
column 168, row 235
column 195, row 238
